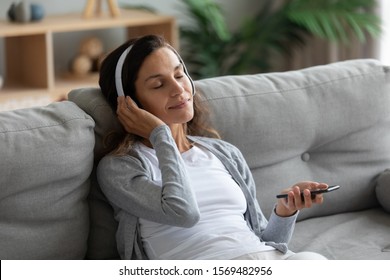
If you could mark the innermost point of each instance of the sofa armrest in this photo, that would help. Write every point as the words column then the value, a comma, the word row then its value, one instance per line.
column 382, row 189
column 46, row 158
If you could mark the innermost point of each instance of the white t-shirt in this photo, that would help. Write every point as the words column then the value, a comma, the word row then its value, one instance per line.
column 221, row 233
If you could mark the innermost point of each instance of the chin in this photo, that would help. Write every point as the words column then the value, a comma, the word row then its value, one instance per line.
column 183, row 119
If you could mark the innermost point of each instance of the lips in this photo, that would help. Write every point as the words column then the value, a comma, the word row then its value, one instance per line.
column 179, row 105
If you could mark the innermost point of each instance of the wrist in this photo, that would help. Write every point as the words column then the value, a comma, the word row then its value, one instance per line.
column 282, row 211
column 158, row 132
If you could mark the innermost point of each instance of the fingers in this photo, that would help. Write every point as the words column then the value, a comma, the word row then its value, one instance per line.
column 125, row 112
column 125, row 103
column 130, row 103
column 300, row 195
column 318, row 198
column 295, row 200
column 121, row 108
column 134, row 119
column 307, row 199
column 126, row 108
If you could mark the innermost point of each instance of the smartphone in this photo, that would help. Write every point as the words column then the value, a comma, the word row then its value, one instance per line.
column 313, row 192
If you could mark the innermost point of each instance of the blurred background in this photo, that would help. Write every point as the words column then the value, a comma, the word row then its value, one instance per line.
column 223, row 37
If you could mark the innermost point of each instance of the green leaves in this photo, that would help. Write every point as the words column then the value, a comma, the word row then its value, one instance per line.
column 206, row 40
column 275, row 30
column 209, row 18
column 337, row 20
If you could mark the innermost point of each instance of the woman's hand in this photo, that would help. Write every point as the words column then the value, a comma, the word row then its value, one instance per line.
column 135, row 120
column 288, row 206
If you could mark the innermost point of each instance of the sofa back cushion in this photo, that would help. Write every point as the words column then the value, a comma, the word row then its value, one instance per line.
column 46, row 159
column 327, row 123
column 101, row 242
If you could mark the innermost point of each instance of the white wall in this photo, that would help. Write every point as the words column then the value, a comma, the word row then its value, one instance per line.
column 234, row 10
column 384, row 54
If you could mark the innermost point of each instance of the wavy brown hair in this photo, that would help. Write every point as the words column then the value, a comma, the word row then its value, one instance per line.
column 121, row 144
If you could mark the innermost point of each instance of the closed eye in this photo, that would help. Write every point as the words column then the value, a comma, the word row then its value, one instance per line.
column 179, row 74
column 158, row 86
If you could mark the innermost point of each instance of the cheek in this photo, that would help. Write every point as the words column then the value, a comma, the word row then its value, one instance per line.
column 152, row 105
column 143, row 101
column 187, row 84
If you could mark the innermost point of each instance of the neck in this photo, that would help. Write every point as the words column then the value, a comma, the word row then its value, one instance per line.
column 180, row 137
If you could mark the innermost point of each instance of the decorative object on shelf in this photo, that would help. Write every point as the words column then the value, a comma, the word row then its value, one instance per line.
column 93, row 48
column 89, row 57
column 35, row 45
column 25, row 12
column 91, row 5
column 81, row 65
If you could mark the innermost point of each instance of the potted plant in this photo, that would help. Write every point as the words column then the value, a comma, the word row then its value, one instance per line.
column 212, row 50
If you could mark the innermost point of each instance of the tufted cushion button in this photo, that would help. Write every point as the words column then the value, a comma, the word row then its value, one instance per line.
column 305, row 156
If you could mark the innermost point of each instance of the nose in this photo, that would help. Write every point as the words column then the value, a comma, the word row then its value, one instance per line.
column 176, row 88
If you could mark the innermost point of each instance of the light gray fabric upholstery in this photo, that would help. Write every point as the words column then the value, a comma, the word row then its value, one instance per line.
column 46, row 157
column 358, row 235
column 328, row 123
column 102, row 242
column 382, row 190
column 93, row 103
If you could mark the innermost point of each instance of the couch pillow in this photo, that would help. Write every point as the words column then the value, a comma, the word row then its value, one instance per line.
column 102, row 241
column 92, row 101
column 46, row 158
column 382, row 190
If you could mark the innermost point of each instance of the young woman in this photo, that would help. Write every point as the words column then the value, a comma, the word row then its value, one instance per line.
column 178, row 191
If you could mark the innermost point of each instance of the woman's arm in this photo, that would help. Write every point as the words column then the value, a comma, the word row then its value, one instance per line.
column 276, row 229
column 127, row 183
column 280, row 226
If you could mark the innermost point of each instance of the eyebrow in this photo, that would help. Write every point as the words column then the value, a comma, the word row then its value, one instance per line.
column 159, row 75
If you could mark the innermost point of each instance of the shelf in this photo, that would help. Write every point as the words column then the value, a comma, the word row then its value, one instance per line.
column 29, row 48
column 75, row 22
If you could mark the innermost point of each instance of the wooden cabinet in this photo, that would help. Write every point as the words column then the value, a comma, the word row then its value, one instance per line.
column 29, row 52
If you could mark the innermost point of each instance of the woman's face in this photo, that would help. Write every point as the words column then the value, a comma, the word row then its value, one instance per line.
column 163, row 89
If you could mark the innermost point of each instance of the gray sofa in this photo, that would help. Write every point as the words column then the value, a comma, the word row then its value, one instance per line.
column 327, row 123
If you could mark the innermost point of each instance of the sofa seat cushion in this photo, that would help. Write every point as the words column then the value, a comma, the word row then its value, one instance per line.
column 356, row 235
column 46, row 158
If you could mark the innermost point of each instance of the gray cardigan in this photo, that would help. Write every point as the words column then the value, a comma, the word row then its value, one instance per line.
column 127, row 183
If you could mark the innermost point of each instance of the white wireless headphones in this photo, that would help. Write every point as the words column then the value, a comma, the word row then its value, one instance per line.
column 119, row 67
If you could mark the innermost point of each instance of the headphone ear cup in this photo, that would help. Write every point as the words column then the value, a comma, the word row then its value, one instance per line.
column 192, row 84
column 188, row 75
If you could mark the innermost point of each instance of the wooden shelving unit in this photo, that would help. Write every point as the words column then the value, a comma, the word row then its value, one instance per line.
column 29, row 51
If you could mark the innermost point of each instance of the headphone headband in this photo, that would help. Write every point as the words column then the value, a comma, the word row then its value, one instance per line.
column 118, row 71
column 119, row 67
